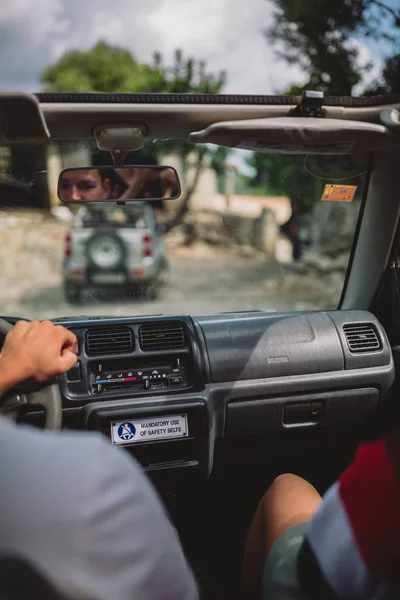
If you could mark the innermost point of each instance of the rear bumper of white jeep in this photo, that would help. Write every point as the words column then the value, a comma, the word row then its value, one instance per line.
column 130, row 276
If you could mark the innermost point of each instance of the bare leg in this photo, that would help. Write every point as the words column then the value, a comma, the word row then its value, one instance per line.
column 289, row 501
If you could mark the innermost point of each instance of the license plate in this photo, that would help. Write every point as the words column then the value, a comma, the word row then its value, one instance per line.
column 113, row 278
column 149, row 429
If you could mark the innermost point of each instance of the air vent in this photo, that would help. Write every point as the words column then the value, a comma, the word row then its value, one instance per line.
column 115, row 340
column 361, row 337
column 168, row 336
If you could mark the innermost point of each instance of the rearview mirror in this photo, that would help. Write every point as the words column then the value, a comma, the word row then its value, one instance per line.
column 118, row 184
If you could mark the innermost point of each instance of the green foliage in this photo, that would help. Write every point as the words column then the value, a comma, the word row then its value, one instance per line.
column 285, row 175
column 106, row 68
column 319, row 36
column 390, row 82
column 243, row 186
column 187, row 76
column 219, row 156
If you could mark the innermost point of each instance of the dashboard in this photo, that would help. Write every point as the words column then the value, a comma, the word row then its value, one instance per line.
column 165, row 388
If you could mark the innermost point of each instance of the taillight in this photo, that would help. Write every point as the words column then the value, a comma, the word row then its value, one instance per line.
column 68, row 246
column 138, row 271
column 147, row 249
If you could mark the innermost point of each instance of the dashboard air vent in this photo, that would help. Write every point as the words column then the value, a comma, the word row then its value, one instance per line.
column 167, row 336
column 112, row 340
column 361, row 337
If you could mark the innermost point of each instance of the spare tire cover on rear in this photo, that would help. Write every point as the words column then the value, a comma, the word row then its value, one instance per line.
column 106, row 250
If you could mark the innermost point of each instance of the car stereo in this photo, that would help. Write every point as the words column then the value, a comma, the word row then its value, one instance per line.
column 172, row 373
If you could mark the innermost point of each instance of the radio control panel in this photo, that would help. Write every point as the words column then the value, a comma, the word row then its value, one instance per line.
column 170, row 375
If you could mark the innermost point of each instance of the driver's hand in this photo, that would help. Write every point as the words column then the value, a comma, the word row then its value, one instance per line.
column 36, row 349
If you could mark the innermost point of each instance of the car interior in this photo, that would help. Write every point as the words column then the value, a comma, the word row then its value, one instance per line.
column 241, row 396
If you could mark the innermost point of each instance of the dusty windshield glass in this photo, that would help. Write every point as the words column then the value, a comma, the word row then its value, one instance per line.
column 251, row 231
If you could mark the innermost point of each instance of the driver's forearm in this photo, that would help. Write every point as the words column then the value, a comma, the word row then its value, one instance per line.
column 8, row 376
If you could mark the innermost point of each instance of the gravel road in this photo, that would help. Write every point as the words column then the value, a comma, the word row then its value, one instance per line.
column 200, row 280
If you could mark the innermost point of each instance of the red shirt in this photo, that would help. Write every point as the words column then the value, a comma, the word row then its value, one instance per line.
column 352, row 544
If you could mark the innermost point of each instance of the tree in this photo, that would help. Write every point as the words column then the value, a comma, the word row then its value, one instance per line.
column 219, row 157
column 390, row 82
column 319, row 36
column 103, row 68
column 106, row 68
column 285, row 175
column 187, row 76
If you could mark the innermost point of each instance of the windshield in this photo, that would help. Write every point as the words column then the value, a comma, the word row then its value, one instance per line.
column 251, row 231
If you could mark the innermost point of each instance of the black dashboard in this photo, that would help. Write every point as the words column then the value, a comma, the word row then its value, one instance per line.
column 167, row 387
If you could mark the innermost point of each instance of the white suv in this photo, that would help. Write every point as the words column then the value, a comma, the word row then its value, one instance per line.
column 112, row 246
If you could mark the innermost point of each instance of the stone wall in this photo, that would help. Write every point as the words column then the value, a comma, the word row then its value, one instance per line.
column 224, row 229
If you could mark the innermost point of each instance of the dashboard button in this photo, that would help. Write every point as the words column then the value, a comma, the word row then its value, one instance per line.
column 176, row 380
column 75, row 373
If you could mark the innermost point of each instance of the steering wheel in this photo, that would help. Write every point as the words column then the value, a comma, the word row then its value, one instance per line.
column 48, row 395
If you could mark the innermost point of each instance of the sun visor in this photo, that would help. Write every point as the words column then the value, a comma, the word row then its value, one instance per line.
column 299, row 135
column 21, row 119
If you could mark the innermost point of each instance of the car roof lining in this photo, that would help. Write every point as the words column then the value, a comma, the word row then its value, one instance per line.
column 66, row 116
column 77, row 121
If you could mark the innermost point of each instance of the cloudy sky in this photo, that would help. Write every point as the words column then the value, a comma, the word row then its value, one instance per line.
column 228, row 34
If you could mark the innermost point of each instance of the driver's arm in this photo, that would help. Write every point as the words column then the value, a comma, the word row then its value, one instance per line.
column 40, row 350
column 137, row 181
column 129, row 549
column 94, row 525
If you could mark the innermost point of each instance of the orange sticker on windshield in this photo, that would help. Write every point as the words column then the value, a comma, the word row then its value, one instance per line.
column 339, row 193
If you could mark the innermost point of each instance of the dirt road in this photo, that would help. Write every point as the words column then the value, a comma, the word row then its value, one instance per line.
column 197, row 285
column 200, row 280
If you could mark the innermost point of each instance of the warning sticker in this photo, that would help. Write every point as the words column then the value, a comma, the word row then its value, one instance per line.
column 147, row 430
column 339, row 193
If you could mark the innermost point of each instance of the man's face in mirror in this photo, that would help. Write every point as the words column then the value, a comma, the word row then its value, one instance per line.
column 85, row 184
